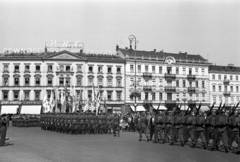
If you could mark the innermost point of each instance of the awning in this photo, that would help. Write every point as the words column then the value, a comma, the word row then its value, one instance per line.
column 9, row 109
column 204, row 108
column 30, row 109
column 161, row 107
column 138, row 108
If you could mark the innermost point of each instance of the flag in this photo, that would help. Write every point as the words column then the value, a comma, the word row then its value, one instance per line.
column 44, row 104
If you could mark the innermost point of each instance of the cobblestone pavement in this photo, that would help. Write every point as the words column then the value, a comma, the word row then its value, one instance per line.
column 35, row 145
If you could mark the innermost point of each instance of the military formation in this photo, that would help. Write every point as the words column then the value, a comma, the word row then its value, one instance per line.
column 214, row 129
column 81, row 123
column 26, row 120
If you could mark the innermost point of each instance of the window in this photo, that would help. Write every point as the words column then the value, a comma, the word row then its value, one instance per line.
column 146, row 68
column 225, row 77
column 38, row 68
column 196, row 84
column 184, row 83
column 68, row 81
column 190, row 71
column 109, row 82
column 236, row 77
column 153, row 96
column 37, row 95
column 50, row 68
column 225, row 88
column 61, row 81
column 153, row 69
column 37, row 81
column 160, row 96
column 169, row 70
column 5, row 81
column 213, row 76
column 220, row 88
column 160, row 69
column 100, row 81
column 79, row 81
column 90, row 95
column 49, row 82
column 190, row 83
column 26, row 95
column 231, row 88
column 27, row 68
column 219, row 77
column 214, row 88
column 184, row 70
column 177, row 70
column 196, row 70
column 146, row 95
column 16, row 68
column 119, row 95
column 203, row 71
column 90, row 69
column 27, row 81
column 119, row 82
column 139, row 68
column 109, row 95
column 5, row 67
column 118, row 69
column 16, row 81
column 15, row 95
column 79, row 68
column 109, row 69
column 131, row 68
column 5, row 95
column 231, row 77
column 177, row 83
column 68, row 68
column 214, row 98
column 237, row 88
column 203, row 84
column 90, row 81
column 100, row 69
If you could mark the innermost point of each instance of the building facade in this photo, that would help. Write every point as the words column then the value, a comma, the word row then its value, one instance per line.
column 161, row 78
column 29, row 77
column 224, row 84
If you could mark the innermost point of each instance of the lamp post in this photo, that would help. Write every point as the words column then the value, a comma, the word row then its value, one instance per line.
column 132, row 39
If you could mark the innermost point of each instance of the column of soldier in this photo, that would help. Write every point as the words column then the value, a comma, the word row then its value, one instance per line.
column 81, row 123
column 215, row 129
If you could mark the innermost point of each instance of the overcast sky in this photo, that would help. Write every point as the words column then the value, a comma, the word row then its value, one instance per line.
column 211, row 29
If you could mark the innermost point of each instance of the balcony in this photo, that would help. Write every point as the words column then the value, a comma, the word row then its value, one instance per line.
column 170, row 76
column 147, row 88
column 227, row 93
column 191, row 77
column 191, row 90
column 147, row 76
column 61, row 71
column 226, row 81
column 170, row 89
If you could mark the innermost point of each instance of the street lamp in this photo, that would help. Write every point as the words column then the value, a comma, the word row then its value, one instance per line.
column 132, row 39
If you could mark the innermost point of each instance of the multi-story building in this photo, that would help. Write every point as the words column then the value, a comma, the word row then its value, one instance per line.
column 224, row 84
column 28, row 77
column 164, row 78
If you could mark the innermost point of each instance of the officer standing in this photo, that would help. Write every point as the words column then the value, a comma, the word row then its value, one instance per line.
column 3, row 130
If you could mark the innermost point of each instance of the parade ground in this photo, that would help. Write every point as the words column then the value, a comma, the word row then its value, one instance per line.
column 35, row 145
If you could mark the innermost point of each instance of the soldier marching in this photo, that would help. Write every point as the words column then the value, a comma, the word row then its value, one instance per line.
column 215, row 129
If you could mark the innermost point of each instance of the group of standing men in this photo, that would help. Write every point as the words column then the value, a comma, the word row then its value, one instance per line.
column 81, row 123
column 215, row 129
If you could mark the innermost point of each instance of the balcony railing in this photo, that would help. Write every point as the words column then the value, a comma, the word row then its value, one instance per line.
column 226, row 81
column 227, row 93
column 191, row 77
column 147, row 88
column 191, row 90
column 147, row 75
column 170, row 89
column 170, row 76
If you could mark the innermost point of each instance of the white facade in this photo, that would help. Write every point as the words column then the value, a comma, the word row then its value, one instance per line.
column 23, row 79
column 224, row 85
